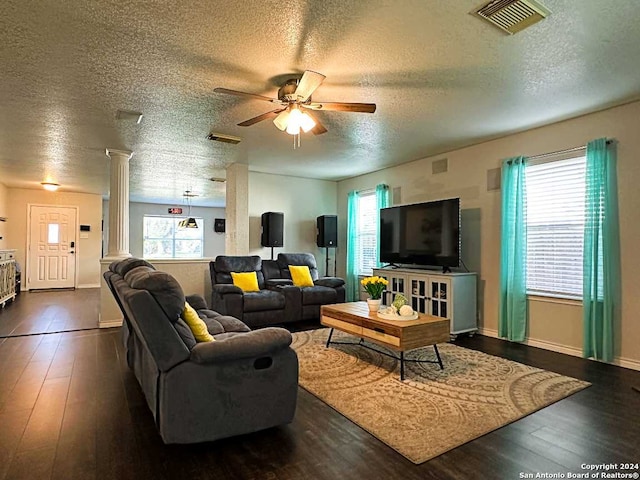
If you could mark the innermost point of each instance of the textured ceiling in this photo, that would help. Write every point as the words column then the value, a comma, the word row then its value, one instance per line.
column 441, row 79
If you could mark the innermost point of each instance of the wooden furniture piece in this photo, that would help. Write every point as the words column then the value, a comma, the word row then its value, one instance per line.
column 397, row 335
column 444, row 295
column 7, row 276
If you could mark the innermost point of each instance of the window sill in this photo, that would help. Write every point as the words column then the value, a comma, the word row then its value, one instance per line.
column 550, row 299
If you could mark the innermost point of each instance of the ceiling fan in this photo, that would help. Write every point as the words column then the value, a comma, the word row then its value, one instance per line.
column 294, row 100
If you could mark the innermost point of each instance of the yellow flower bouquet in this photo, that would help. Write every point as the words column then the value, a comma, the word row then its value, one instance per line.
column 374, row 286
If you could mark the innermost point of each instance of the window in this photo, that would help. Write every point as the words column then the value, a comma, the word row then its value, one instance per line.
column 555, row 227
column 366, row 237
column 53, row 235
column 162, row 238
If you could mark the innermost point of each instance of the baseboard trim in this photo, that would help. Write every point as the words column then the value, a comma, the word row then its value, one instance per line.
column 556, row 347
column 89, row 285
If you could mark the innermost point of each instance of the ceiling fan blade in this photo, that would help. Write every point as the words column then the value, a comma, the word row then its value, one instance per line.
column 308, row 84
column 319, row 129
column 244, row 94
column 259, row 118
column 342, row 107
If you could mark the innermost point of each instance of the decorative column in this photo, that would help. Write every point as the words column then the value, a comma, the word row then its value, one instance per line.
column 118, row 246
column 237, row 210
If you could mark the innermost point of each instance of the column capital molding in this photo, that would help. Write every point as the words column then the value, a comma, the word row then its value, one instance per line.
column 113, row 151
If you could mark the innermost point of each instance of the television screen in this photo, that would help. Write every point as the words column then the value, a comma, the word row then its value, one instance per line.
column 421, row 234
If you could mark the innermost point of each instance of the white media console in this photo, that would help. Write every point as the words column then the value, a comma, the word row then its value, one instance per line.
column 445, row 295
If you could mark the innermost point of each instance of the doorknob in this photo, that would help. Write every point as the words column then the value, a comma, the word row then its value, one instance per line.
column 72, row 252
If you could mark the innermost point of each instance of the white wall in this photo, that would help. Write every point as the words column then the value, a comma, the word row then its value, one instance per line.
column 90, row 213
column 552, row 325
column 213, row 242
column 301, row 200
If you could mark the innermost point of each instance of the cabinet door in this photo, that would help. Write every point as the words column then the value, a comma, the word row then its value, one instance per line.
column 419, row 294
column 397, row 284
column 440, row 294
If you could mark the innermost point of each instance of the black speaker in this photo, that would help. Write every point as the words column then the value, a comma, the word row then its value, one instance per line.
column 327, row 231
column 272, row 229
column 219, row 225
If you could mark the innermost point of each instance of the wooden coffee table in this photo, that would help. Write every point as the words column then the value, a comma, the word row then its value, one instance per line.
column 397, row 335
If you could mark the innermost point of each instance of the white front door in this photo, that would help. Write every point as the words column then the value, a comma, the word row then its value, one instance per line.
column 52, row 246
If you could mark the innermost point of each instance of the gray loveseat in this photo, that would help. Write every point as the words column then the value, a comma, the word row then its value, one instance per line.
column 278, row 301
column 243, row 382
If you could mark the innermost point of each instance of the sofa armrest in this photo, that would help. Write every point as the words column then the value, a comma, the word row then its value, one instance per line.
column 279, row 282
column 332, row 282
column 224, row 288
column 252, row 344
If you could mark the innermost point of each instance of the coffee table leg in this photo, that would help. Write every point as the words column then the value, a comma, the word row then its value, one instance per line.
column 435, row 347
column 401, row 366
column 329, row 339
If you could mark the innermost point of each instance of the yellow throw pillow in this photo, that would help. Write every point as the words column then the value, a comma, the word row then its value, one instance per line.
column 247, row 281
column 301, row 276
column 196, row 324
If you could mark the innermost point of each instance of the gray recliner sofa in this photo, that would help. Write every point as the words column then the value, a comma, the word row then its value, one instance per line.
column 268, row 306
column 242, row 382
column 278, row 301
column 325, row 290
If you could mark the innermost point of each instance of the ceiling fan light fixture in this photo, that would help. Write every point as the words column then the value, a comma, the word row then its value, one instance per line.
column 293, row 126
column 282, row 120
column 306, row 122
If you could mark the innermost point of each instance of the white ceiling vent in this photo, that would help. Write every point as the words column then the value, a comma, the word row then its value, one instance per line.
column 220, row 137
column 512, row 16
column 129, row 115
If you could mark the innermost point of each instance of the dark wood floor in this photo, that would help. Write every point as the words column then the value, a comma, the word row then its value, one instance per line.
column 50, row 311
column 71, row 409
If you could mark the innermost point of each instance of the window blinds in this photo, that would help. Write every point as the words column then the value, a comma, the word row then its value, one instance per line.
column 555, row 227
column 367, row 243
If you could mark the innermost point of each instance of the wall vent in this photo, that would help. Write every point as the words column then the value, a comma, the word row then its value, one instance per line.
column 397, row 195
column 512, row 16
column 494, row 179
column 219, row 137
column 439, row 166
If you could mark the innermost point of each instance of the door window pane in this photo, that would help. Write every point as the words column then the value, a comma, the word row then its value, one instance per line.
column 53, row 234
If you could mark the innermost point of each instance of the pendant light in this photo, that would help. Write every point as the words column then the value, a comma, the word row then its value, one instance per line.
column 188, row 222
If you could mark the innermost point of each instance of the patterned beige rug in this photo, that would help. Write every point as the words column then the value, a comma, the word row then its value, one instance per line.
column 433, row 410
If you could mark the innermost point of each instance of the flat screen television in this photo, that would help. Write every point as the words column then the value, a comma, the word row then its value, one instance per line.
column 426, row 234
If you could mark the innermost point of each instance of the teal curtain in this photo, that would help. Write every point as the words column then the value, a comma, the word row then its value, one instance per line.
column 512, row 322
column 601, row 261
column 382, row 201
column 352, row 283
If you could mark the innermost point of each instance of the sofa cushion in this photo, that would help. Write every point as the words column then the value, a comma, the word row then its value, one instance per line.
column 263, row 300
column 124, row 266
column 318, row 295
column 223, row 265
column 247, row 281
column 301, row 276
column 196, row 324
column 333, row 282
column 232, row 324
column 163, row 287
column 286, row 259
column 185, row 333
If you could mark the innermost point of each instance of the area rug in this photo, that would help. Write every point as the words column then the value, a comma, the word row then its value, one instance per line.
column 432, row 410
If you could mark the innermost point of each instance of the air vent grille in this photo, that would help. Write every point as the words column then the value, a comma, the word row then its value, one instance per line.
column 219, row 137
column 512, row 16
